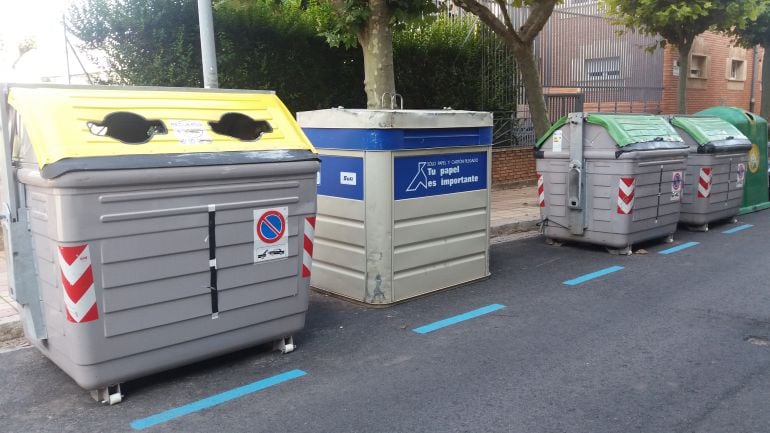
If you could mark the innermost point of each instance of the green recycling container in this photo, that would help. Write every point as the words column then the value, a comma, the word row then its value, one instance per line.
column 755, row 191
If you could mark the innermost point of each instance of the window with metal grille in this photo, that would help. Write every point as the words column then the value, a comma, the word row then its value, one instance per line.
column 604, row 68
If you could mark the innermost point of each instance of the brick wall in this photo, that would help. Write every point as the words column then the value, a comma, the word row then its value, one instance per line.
column 512, row 167
column 717, row 89
column 516, row 166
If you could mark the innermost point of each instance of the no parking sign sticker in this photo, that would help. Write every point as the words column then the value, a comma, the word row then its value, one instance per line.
column 270, row 239
column 677, row 182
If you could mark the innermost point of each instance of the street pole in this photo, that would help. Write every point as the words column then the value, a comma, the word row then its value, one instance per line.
column 66, row 48
column 208, row 50
column 755, row 58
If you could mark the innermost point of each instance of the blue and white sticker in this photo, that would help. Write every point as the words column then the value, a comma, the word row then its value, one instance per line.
column 677, row 182
column 341, row 176
column 741, row 175
column 430, row 175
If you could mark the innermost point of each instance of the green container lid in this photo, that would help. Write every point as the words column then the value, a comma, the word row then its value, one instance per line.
column 625, row 129
column 708, row 130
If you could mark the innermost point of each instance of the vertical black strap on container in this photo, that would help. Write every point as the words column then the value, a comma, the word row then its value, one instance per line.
column 660, row 192
column 213, row 262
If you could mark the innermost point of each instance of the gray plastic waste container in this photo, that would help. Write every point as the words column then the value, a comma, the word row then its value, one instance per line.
column 610, row 179
column 716, row 170
column 403, row 204
column 151, row 228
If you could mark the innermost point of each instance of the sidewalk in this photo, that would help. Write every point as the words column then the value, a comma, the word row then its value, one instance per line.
column 10, row 327
column 513, row 211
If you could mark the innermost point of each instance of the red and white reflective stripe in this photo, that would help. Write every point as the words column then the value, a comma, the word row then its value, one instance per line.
column 77, row 277
column 307, row 246
column 626, row 187
column 704, row 183
column 540, row 190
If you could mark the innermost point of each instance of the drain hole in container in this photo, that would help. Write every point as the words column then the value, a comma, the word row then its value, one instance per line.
column 129, row 128
column 241, row 126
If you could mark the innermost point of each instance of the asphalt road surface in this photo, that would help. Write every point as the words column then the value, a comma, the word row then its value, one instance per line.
column 669, row 343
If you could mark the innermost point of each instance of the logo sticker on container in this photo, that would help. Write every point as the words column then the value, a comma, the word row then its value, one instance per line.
column 754, row 158
column 190, row 131
column 676, row 186
column 270, row 239
column 741, row 175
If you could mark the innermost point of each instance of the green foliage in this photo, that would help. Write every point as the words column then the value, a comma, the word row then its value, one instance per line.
column 755, row 32
column 261, row 44
column 679, row 21
column 269, row 46
column 265, row 44
column 436, row 66
column 343, row 19
column 149, row 42
column 439, row 63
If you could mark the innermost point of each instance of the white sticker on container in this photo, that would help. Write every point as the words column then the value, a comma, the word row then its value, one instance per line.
column 741, row 175
column 190, row 131
column 677, row 181
column 347, row 178
column 557, row 139
column 271, row 241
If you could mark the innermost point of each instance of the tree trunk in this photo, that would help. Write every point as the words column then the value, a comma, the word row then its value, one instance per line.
column 684, row 73
column 764, row 106
column 376, row 40
column 525, row 59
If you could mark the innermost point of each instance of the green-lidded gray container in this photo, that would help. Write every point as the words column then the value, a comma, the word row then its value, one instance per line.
column 753, row 126
column 610, row 179
column 716, row 169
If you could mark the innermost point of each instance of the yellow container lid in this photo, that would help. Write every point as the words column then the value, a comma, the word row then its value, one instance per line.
column 87, row 121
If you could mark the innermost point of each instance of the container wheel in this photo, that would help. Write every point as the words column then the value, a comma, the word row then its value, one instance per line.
column 285, row 345
column 109, row 395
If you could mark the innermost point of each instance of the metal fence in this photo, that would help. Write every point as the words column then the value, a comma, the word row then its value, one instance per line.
column 586, row 64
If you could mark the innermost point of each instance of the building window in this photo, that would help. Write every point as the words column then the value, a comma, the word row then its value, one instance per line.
column 699, row 66
column 605, row 68
column 737, row 70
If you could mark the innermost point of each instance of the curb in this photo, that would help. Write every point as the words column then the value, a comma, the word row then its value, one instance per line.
column 512, row 227
column 10, row 329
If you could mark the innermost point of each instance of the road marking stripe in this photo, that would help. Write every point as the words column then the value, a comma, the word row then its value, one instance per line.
column 737, row 229
column 592, row 275
column 679, row 248
column 214, row 400
column 457, row 319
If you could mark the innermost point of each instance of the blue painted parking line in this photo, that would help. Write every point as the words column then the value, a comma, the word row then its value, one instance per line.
column 214, row 400
column 737, row 229
column 684, row 246
column 457, row 319
column 592, row 275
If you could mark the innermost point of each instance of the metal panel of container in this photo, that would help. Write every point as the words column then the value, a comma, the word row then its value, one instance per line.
column 403, row 201
column 610, row 179
column 716, row 170
column 165, row 225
